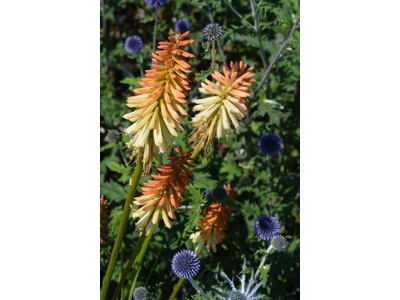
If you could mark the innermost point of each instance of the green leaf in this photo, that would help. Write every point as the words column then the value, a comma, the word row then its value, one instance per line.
column 120, row 169
column 131, row 81
column 204, row 181
column 107, row 146
column 203, row 75
column 113, row 191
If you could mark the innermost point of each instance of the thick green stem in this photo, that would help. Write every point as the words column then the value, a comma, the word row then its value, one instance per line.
column 196, row 151
column 121, row 230
column 138, row 262
column 176, row 289
column 129, row 265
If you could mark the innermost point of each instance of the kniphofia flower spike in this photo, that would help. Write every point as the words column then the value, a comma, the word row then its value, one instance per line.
column 226, row 105
column 159, row 196
column 160, row 102
column 212, row 227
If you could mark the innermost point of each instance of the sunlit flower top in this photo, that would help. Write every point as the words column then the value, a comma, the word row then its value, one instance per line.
column 242, row 293
column 182, row 25
column 160, row 103
column 212, row 227
column 104, row 212
column 141, row 293
column 133, row 44
column 185, row 264
column 159, row 196
column 155, row 3
column 267, row 227
column 213, row 31
column 225, row 106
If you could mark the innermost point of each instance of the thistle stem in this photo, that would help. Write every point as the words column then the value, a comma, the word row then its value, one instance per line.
column 176, row 289
column 199, row 289
column 257, row 29
column 129, row 265
column 121, row 230
column 263, row 261
column 269, row 182
column 155, row 30
column 140, row 64
column 213, row 55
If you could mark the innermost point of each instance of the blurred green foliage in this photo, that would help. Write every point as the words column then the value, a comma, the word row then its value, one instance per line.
column 235, row 160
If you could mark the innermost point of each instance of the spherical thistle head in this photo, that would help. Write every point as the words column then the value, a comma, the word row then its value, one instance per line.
column 133, row 44
column 269, row 144
column 237, row 295
column 279, row 243
column 267, row 227
column 141, row 293
column 185, row 264
column 155, row 3
column 219, row 194
column 113, row 136
column 182, row 25
column 213, row 31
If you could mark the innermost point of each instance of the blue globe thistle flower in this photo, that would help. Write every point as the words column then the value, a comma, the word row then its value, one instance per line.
column 219, row 194
column 206, row 193
column 133, row 44
column 155, row 3
column 242, row 293
column 279, row 243
column 141, row 293
column 267, row 227
column 185, row 264
column 182, row 25
column 269, row 144
column 213, row 31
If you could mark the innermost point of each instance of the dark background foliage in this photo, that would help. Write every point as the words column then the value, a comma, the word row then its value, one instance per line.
column 263, row 185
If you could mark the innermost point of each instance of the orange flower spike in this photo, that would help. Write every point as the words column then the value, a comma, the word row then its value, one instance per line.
column 158, row 104
column 162, row 195
column 212, row 227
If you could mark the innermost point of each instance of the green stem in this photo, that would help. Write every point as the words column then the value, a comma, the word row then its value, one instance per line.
column 196, row 151
column 138, row 262
column 263, row 261
column 155, row 30
column 176, row 289
column 199, row 289
column 213, row 55
column 129, row 265
column 121, row 230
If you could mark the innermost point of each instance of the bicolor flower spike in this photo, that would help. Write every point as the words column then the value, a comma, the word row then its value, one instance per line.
column 242, row 293
column 212, row 227
column 160, row 196
column 225, row 106
column 160, row 103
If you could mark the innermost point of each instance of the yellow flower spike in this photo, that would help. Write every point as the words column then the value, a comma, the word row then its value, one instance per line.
column 225, row 107
column 160, row 101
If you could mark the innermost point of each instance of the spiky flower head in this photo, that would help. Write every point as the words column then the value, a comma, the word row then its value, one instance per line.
column 133, row 44
column 242, row 293
column 141, row 293
column 269, row 144
column 159, row 197
column 279, row 243
column 212, row 227
column 155, row 3
column 213, row 32
column 237, row 295
column 267, row 227
column 182, row 25
column 160, row 103
column 219, row 194
column 113, row 136
column 104, row 213
column 185, row 264
column 226, row 105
